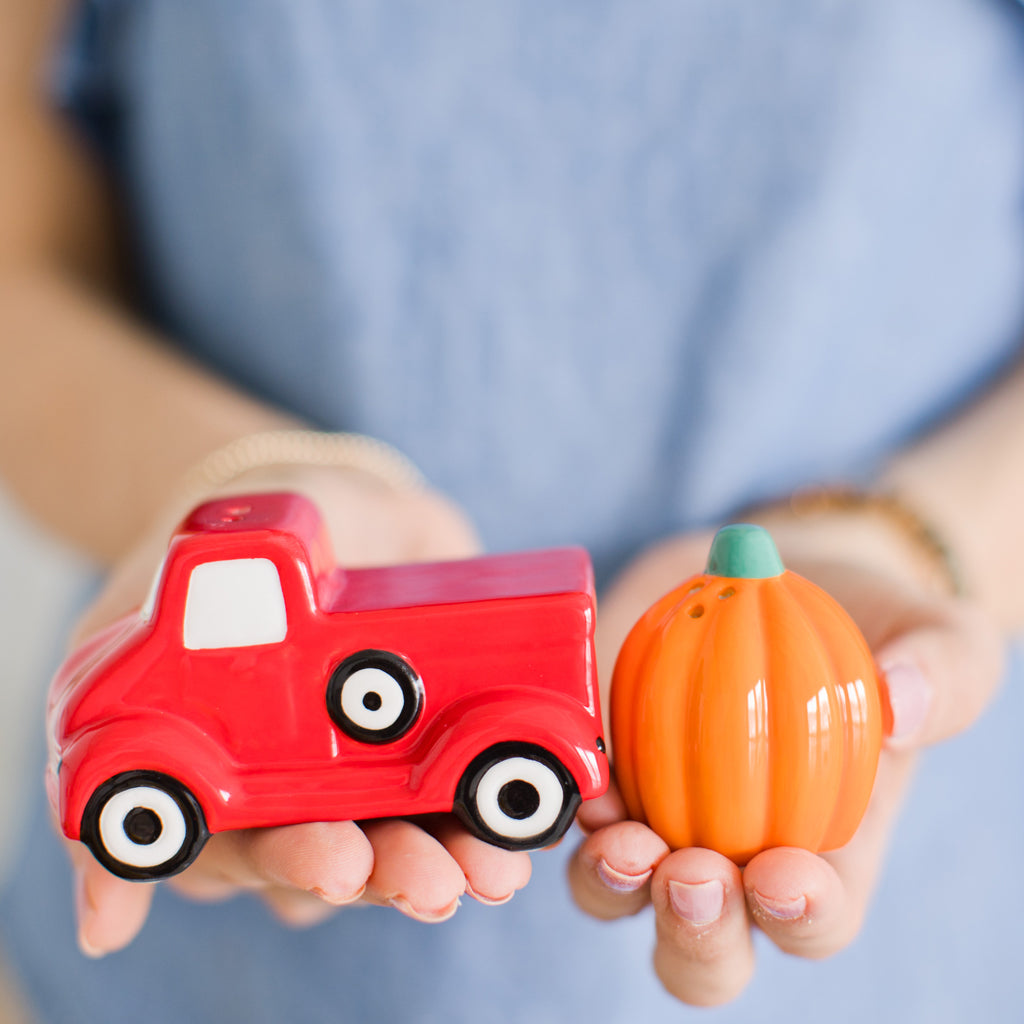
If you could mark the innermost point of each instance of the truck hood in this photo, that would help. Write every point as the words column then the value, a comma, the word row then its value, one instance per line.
column 84, row 658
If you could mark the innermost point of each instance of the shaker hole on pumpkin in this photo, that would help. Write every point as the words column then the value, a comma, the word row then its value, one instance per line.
column 727, row 593
column 696, row 611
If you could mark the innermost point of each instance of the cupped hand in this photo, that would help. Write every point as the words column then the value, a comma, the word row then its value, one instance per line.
column 941, row 659
column 304, row 872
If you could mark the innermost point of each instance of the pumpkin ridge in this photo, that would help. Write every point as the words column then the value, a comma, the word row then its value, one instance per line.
column 770, row 824
column 700, row 777
column 634, row 682
column 627, row 695
column 806, row 773
column 732, row 809
column 693, row 819
column 813, row 602
column 641, row 698
column 857, row 691
column 763, row 706
column 826, row 840
column 665, row 697
column 624, row 698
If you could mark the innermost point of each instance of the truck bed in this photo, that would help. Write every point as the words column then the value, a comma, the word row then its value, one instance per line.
column 493, row 577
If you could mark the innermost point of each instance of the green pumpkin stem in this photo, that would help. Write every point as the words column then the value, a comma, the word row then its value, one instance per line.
column 744, row 551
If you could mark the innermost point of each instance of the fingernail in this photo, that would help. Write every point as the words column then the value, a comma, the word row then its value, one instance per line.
column 401, row 904
column 782, row 910
column 487, row 901
column 87, row 949
column 910, row 697
column 84, row 912
column 619, row 881
column 697, row 902
column 338, row 899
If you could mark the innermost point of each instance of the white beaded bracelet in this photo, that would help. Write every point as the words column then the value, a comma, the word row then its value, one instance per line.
column 303, row 448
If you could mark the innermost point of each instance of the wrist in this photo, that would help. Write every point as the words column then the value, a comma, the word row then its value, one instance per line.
column 282, row 450
column 967, row 476
column 361, row 476
column 877, row 529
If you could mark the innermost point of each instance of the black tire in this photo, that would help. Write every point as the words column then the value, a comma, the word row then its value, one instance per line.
column 374, row 696
column 517, row 796
column 143, row 826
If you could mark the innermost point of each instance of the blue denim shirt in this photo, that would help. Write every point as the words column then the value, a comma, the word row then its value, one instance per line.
column 606, row 271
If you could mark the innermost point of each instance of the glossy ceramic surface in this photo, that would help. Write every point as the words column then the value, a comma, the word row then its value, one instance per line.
column 747, row 711
column 262, row 685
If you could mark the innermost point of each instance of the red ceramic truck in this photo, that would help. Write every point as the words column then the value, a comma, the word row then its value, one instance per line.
column 262, row 685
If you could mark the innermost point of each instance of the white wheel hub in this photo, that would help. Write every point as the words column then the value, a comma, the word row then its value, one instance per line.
column 372, row 699
column 525, row 771
column 114, row 820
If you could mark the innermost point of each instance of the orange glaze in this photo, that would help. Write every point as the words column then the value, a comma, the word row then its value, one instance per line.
column 747, row 713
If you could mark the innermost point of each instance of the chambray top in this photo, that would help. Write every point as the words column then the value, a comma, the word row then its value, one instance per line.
column 606, row 270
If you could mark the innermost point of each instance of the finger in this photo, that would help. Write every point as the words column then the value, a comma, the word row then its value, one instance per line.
column 297, row 909
column 799, row 900
column 110, row 911
column 656, row 571
column 942, row 657
column 704, row 954
column 122, row 593
column 602, row 811
column 442, row 529
column 942, row 665
column 294, row 907
column 610, row 874
column 330, row 860
column 412, row 871
column 492, row 875
column 812, row 905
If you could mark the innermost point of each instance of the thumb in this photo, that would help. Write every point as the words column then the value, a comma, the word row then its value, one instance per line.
column 110, row 911
column 940, row 657
column 942, row 663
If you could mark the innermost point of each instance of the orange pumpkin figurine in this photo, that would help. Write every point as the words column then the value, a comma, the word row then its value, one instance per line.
column 747, row 711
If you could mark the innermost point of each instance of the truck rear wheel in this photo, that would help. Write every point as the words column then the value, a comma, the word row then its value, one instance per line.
column 517, row 796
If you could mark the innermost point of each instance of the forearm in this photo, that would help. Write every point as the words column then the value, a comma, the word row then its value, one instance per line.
column 98, row 418
column 967, row 477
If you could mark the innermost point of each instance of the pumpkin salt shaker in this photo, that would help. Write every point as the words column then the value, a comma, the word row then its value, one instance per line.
column 747, row 711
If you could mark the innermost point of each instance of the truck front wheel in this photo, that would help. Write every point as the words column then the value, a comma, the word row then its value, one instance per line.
column 143, row 826
column 517, row 796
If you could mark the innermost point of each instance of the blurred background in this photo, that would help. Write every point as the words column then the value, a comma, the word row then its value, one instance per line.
column 38, row 582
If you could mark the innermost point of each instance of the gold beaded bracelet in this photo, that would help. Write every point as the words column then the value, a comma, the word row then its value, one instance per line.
column 815, row 501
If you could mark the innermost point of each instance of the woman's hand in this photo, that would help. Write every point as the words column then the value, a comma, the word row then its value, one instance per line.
column 941, row 658
column 305, row 871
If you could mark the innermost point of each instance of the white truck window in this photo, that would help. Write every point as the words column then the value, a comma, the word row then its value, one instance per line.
column 234, row 603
